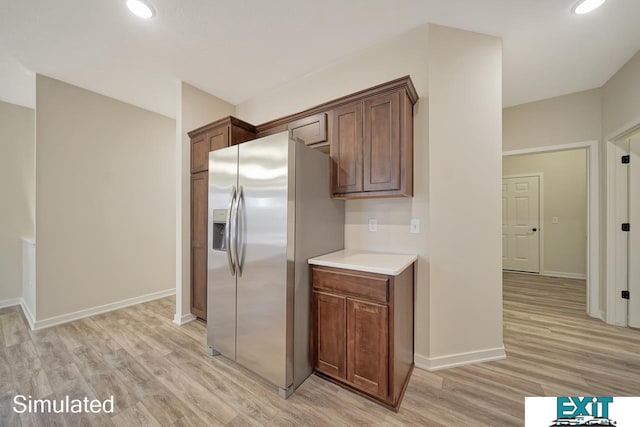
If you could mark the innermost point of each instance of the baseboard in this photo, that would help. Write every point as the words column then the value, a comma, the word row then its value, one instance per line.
column 459, row 359
column 70, row 317
column 564, row 275
column 184, row 319
column 10, row 302
column 31, row 319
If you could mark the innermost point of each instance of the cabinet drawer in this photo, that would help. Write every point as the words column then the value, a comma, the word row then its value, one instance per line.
column 373, row 287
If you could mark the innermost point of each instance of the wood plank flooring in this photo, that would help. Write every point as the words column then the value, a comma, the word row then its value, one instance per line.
column 161, row 375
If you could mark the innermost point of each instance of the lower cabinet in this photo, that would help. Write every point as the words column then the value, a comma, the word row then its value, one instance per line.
column 362, row 331
column 330, row 318
column 367, row 346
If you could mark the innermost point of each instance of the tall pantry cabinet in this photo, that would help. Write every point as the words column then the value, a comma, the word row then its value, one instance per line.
column 214, row 136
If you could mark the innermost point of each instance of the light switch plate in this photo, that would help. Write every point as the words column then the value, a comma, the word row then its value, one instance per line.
column 373, row 224
column 554, row 220
column 415, row 226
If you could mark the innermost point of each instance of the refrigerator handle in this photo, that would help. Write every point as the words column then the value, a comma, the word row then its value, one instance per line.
column 239, row 228
column 229, row 238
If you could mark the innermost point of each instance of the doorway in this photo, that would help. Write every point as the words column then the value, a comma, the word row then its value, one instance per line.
column 591, row 231
column 633, row 254
column 623, row 297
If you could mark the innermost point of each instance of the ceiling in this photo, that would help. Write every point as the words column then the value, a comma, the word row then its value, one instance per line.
column 238, row 49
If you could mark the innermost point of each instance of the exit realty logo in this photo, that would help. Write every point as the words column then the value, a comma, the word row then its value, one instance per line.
column 581, row 411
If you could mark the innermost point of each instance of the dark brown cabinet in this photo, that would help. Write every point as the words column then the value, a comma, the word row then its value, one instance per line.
column 199, row 192
column 214, row 136
column 310, row 130
column 346, row 149
column 331, row 337
column 223, row 133
column 362, row 331
column 199, row 153
column 382, row 166
column 367, row 346
column 372, row 147
column 217, row 138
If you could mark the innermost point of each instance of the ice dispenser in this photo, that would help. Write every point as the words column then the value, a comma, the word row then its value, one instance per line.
column 219, row 228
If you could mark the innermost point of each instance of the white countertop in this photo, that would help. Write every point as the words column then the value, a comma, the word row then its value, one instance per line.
column 372, row 262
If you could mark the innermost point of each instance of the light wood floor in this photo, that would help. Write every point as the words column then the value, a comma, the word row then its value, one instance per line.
column 160, row 374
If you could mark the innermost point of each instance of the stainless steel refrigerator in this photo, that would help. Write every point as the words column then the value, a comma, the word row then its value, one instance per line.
column 270, row 209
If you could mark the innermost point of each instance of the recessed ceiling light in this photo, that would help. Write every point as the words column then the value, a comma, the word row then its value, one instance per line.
column 586, row 6
column 141, row 9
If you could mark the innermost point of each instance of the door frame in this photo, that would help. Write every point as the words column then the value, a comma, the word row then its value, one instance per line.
column 593, row 215
column 617, row 250
column 540, row 176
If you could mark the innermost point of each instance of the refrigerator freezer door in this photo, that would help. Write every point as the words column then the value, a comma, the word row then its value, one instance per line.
column 221, row 281
column 263, row 292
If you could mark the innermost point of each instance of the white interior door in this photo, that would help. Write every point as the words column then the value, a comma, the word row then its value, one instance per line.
column 521, row 224
column 634, row 233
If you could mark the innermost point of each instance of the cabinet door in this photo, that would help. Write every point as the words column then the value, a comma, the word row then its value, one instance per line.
column 329, row 334
column 199, row 195
column 199, row 154
column 382, row 142
column 367, row 347
column 310, row 130
column 346, row 149
column 218, row 138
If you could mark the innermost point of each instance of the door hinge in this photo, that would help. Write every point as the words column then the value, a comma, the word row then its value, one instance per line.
column 626, row 295
column 626, row 226
column 626, row 159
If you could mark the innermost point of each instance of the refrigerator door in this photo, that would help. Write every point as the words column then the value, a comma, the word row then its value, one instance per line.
column 221, row 277
column 264, row 337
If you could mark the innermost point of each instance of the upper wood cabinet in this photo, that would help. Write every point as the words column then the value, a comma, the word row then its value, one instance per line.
column 214, row 136
column 311, row 130
column 217, row 138
column 370, row 135
column 346, row 149
column 382, row 166
column 199, row 153
column 372, row 147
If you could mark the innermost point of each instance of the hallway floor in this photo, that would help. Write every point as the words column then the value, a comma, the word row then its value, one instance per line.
column 160, row 374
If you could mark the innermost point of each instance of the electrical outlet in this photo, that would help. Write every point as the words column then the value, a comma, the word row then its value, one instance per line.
column 415, row 226
column 373, row 224
column 554, row 220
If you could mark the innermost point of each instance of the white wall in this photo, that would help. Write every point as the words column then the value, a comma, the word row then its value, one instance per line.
column 105, row 213
column 17, row 192
column 576, row 117
column 400, row 56
column 195, row 108
column 565, row 197
column 621, row 99
column 465, row 165
column 461, row 312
